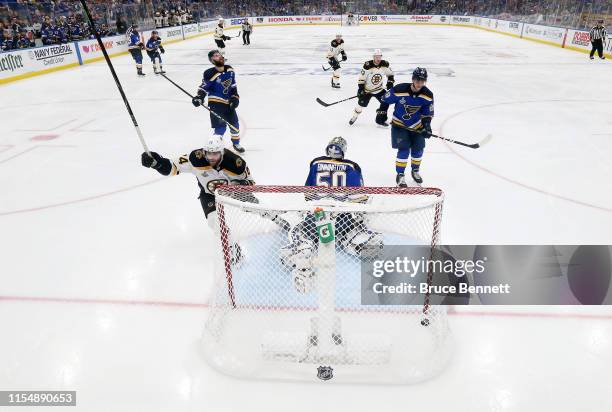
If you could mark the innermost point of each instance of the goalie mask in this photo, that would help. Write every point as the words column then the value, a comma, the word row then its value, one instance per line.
column 336, row 148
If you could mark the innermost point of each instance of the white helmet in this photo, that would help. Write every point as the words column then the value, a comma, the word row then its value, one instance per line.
column 221, row 21
column 338, row 34
column 377, row 52
column 214, row 144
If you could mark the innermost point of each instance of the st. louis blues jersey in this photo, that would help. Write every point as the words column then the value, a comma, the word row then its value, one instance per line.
column 329, row 172
column 220, row 85
column 410, row 107
column 153, row 44
column 134, row 38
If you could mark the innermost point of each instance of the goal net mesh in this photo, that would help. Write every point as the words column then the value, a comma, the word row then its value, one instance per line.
column 287, row 299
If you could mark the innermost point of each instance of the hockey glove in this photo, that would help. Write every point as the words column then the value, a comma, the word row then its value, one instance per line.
column 151, row 161
column 361, row 91
column 389, row 84
column 161, row 49
column 381, row 117
column 426, row 132
column 343, row 56
column 227, row 38
column 199, row 99
column 234, row 102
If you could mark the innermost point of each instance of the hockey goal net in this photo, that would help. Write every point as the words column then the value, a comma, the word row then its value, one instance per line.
column 350, row 19
column 288, row 301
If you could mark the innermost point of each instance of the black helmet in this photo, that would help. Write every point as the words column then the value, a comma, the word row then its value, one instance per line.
column 211, row 54
column 419, row 74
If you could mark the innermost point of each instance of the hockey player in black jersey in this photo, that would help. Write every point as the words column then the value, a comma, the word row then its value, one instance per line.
column 213, row 166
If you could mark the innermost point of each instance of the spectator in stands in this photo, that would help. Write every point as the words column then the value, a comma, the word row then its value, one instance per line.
column 121, row 25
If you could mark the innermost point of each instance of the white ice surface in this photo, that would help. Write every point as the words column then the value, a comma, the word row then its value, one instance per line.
column 105, row 268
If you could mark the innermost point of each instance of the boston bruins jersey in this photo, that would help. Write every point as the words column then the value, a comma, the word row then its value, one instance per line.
column 218, row 35
column 372, row 76
column 336, row 48
column 232, row 168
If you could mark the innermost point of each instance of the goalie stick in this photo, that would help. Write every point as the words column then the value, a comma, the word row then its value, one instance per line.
column 322, row 103
column 114, row 74
column 218, row 116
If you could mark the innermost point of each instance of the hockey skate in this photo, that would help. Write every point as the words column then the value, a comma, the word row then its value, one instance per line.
column 139, row 72
column 238, row 148
column 353, row 120
column 400, row 180
column 416, row 177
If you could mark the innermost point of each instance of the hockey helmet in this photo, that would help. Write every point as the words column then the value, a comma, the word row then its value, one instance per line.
column 419, row 73
column 214, row 144
column 338, row 34
column 336, row 148
column 377, row 52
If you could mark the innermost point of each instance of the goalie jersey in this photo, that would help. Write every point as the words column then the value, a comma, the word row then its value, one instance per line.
column 232, row 169
column 329, row 172
column 220, row 86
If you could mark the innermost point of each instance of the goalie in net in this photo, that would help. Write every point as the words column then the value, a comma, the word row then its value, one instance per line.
column 353, row 235
column 295, row 301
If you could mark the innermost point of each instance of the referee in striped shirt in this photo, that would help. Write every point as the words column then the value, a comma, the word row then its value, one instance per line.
column 597, row 35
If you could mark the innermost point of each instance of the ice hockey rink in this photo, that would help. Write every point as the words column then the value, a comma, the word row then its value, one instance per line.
column 106, row 267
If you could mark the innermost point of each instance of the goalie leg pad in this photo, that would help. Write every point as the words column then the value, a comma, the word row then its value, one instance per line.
column 363, row 243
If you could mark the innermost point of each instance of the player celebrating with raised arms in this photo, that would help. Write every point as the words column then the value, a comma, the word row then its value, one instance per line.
column 214, row 166
column 411, row 124
column 370, row 84
column 219, row 83
column 335, row 55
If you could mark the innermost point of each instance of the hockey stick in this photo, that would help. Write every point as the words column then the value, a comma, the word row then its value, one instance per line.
column 322, row 103
column 218, row 116
column 471, row 146
column 117, row 82
column 324, row 69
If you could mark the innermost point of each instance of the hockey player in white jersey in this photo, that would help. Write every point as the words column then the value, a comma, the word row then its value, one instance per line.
column 220, row 37
column 335, row 55
column 214, row 166
column 371, row 84
column 352, row 232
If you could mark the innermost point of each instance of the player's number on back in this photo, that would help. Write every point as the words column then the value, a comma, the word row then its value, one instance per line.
column 337, row 178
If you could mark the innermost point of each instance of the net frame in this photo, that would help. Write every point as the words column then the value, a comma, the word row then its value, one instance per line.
column 229, row 196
